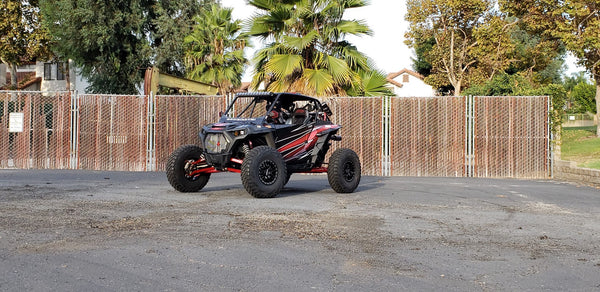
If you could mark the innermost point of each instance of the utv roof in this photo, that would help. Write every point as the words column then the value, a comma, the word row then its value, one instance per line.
column 282, row 95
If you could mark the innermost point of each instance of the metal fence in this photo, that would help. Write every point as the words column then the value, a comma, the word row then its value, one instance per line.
column 428, row 136
column 35, row 130
column 425, row 136
column 511, row 137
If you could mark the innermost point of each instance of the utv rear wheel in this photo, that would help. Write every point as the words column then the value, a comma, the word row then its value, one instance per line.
column 180, row 165
column 263, row 172
column 343, row 171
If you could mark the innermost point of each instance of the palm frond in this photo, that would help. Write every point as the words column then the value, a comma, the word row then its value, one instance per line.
column 353, row 27
column 283, row 65
column 339, row 70
column 318, row 81
column 300, row 43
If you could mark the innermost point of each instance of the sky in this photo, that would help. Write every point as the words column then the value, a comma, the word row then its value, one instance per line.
column 385, row 47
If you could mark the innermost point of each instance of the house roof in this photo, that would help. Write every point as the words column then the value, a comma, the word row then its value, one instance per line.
column 23, row 85
column 390, row 77
column 243, row 88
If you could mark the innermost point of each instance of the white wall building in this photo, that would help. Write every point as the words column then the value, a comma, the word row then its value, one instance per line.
column 54, row 77
column 45, row 76
column 408, row 83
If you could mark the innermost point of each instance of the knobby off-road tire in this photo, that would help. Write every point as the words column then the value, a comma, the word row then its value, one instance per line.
column 343, row 171
column 263, row 172
column 176, row 173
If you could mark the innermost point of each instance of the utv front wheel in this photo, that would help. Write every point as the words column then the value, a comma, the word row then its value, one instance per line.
column 263, row 172
column 180, row 166
column 343, row 171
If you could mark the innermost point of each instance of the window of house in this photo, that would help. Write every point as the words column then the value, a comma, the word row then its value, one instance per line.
column 60, row 71
column 47, row 71
column 405, row 78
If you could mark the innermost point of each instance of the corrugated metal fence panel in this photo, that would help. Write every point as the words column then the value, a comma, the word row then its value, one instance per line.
column 112, row 132
column 511, row 137
column 179, row 119
column 361, row 120
column 427, row 136
column 45, row 128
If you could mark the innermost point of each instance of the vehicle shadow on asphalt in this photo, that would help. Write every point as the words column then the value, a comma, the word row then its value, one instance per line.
column 300, row 187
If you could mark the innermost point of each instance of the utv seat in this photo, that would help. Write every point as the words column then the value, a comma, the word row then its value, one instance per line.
column 299, row 116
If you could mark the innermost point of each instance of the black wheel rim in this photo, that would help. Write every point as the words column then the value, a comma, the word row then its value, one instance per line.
column 348, row 171
column 267, row 172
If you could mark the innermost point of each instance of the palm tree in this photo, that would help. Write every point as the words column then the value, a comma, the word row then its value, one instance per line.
column 372, row 83
column 215, row 49
column 306, row 50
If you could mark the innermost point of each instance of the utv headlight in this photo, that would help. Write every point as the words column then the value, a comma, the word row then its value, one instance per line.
column 215, row 143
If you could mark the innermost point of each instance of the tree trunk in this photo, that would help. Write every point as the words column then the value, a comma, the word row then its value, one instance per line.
column 598, row 108
column 13, row 75
column 67, row 76
column 457, row 88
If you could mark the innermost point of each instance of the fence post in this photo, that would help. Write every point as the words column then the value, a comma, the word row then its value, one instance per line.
column 150, row 133
column 469, row 135
column 385, row 120
column 550, row 140
column 74, row 133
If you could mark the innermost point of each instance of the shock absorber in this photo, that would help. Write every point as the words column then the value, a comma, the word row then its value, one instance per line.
column 245, row 149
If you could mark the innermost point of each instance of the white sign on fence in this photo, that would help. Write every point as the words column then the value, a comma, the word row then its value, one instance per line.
column 15, row 122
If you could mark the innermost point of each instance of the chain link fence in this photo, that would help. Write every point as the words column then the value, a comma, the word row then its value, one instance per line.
column 510, row 136
column 426, row 136
column 362, row 130
column 178, row 120
column 111, row 132
column 34, row 129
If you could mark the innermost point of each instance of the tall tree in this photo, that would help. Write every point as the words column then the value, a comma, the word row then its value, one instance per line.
column 22, row 37
column 575, row 22
column 579, row 29
column 215, row 49
column 170, row 24
column 106, row 39
column 582, row 95
column 470, row 40
column 307, row 50
column 422, row 47
column 112, row 42
column 538, row 52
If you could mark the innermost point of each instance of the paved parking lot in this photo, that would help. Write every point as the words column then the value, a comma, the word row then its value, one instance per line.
column 96, row 231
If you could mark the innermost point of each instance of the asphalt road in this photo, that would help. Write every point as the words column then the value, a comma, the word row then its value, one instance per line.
column 115, row 231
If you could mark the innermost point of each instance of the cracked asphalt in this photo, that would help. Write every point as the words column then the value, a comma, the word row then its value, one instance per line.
column 126, row 231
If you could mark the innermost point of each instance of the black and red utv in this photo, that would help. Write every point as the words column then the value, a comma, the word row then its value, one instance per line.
column 266, row 137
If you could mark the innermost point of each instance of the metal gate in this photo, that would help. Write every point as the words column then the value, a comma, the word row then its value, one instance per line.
column 394, row 136
column 35, row 129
